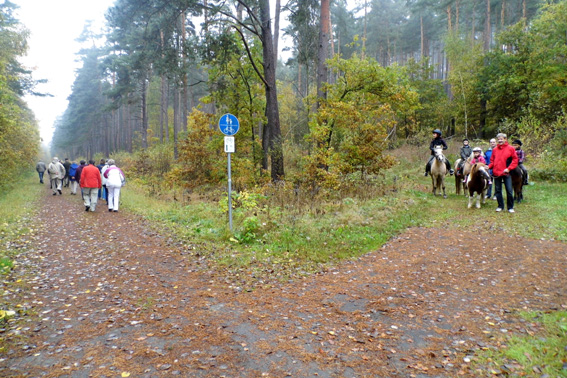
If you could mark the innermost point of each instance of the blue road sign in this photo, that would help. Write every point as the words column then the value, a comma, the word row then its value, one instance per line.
column 228, row 124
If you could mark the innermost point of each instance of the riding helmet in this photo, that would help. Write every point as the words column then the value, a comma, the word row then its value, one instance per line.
column 477, row 149
column 518, row 142
column 437, row 131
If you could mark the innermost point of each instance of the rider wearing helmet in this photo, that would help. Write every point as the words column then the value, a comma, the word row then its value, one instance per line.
column 437, row 141
column 477, row 156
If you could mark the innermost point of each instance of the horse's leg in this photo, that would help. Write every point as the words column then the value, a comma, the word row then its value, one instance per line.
column 483, row 195
column 433, row 183
column 443, row 186
column 470, row 202
column 478, row 195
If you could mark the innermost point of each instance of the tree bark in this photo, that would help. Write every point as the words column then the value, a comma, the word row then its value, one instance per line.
column 487, row 31
column 277, row 27
column 272, row 110
column 323, row 51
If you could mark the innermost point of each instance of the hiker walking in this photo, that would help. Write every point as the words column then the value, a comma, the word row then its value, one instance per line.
column 90, row 184
column 40, row 168
column 56, row 172
column 115, row 179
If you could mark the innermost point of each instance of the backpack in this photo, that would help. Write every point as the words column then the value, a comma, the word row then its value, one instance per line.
column 73, row 170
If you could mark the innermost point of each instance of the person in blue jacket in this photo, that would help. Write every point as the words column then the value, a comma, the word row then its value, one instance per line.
column 487, row 156
column 72, row 179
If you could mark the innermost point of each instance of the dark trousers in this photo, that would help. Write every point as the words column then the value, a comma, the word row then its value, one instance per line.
column 40, row 176
column 507, row 180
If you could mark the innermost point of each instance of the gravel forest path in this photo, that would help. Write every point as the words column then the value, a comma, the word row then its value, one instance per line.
column 104, row 295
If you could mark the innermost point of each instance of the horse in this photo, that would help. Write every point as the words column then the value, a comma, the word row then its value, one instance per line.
column 518, row 184
column 460, row 175
column 478, row 183
column 438, row 171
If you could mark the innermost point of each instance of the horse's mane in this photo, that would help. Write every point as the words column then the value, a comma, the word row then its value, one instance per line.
column 475, row 168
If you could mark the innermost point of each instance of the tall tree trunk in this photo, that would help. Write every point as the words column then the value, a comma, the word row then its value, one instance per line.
column 323, row 51
column 272, row 110
column 166, row 109
column 487, row 31
column 277, row 27
column 184, row 112
column 449, row 19
column 365, row 23
column 144, row 115
column 503, row 15
column 457, row 15
column 162, row 108
column 422, row 45
column 175, row 121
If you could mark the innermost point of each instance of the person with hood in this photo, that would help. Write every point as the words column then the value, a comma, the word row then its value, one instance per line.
column 56, row 172
column 503, row 160
column 73, row 178
column 437, row 141
column 40, row 168
column 115, row 179
column 90, row 184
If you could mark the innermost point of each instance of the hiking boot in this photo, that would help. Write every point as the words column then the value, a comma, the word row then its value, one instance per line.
column 59, row 190
column 54, row 194
column 87, row 208
column 426, row 173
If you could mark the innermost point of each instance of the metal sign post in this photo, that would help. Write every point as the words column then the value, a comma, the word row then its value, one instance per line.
column 229, row 125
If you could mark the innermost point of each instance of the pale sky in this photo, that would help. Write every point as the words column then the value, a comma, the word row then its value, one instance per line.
column 54, row 25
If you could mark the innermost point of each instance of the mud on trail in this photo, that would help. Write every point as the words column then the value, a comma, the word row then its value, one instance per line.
column 103, row 295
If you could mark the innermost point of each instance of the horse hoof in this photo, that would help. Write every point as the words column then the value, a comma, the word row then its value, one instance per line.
column 478, row 206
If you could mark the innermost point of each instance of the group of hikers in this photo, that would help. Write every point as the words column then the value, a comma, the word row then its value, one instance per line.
column 102, row 181
column 501, row 158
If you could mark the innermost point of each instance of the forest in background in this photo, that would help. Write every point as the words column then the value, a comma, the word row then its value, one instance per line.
column 19, row 134
column 361, row 79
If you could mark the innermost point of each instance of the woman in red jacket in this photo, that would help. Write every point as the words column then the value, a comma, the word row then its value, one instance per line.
column 91, row 183
column 502, row 161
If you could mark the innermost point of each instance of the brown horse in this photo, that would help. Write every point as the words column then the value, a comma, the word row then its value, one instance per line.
column 477, row 184
column 518, row 184
column 460, row 175
column 438, row 171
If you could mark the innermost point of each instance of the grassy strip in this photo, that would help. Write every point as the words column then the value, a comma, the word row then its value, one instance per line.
column 278, row 238
column 541, row 353
column 16, row 205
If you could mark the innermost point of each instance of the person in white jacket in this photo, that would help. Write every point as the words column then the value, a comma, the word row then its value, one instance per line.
column 115, row 179
column 56, row 172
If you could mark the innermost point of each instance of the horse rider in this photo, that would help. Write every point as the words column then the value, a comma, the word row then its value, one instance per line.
column 466, row 152
column 437, row 141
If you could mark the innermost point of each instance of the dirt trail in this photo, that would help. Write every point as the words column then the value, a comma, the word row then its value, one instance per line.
column 108, row 297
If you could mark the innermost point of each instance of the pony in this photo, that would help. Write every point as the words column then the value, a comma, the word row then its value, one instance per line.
column 460, row 175
column 438, row 171
column 478, row 183
column 518, row 184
